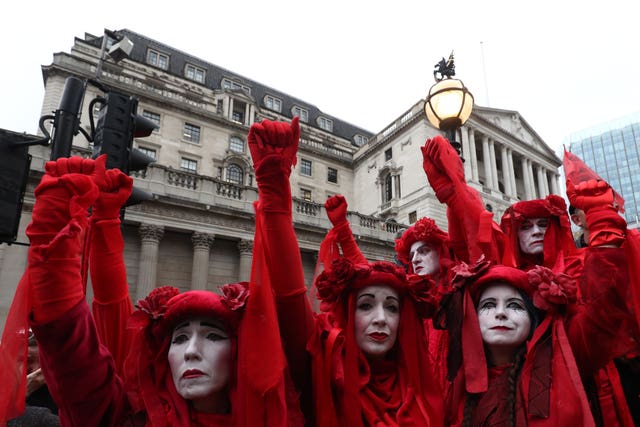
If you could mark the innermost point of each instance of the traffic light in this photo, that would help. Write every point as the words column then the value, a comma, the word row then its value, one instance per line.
column 14, row 172
column 117, row 125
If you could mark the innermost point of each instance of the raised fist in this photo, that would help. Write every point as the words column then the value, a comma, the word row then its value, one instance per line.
column 336, row 207
column 114, row 192
column 443, row 167
column 281, row 138
column 589, row 194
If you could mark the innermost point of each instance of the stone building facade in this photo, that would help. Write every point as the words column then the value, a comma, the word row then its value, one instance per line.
column 197, row 231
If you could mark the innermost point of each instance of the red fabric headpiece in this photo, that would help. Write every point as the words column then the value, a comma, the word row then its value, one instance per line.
column 558, row 239
column 146, row 369
column 425, row 230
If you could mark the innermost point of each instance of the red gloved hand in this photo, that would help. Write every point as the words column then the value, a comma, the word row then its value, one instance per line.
column 589, row 194
column 66, row 191
column 269, row 137
column 336, row 207
column 443, row 167
column 113, row 195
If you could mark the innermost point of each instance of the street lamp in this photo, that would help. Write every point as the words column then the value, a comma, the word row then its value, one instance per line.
column 449, row 102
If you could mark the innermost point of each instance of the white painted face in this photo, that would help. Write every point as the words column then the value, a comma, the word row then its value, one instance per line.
column 531, row 235
column 425, row 259
column 504, row 320
column 200, row 360
column 376, row 320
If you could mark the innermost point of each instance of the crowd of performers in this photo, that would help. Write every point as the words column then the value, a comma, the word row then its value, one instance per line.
column 487, row 324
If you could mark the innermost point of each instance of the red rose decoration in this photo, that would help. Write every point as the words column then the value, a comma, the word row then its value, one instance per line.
column 423, row 291
column 552, row 290
column 330, row 283
column 464, row 273
column 155, row 304
column 235, row 295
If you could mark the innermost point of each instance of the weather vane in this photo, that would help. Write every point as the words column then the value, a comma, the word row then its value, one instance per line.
column 444, row 69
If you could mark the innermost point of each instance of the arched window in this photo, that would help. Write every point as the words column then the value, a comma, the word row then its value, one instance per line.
column 234, row 174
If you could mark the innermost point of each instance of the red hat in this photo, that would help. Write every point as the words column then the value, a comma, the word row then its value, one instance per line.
column 425, row 230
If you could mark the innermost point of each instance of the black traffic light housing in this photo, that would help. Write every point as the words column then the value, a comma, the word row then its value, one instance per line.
column 118, row 123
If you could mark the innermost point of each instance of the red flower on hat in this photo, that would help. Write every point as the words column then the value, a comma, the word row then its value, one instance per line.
column 423, row 291
column 155, row 304
column 234, row 295
column 332, row 282
column 464, row 273
column 552, row 290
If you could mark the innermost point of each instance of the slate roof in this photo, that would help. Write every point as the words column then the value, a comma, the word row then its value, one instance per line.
column 213, row 80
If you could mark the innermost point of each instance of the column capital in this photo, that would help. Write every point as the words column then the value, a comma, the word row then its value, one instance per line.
column 245, row 246
column 202, row 240
column 151, row 232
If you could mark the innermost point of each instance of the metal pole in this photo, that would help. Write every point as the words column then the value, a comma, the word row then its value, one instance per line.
column 67, row 118
column 103, row 49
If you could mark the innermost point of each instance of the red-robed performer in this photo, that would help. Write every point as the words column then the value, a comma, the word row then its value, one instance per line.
column 190, row 364
column 537, row 232
column 364, row 359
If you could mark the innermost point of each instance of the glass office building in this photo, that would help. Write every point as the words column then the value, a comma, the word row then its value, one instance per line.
column 613, row 151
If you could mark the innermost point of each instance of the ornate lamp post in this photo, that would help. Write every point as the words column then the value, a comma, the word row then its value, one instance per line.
column 449, row 103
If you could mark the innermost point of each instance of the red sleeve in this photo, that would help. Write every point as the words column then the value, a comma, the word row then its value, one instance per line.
column 348, row 244
column 111, row 305
column 600, row 328
column 80, row 371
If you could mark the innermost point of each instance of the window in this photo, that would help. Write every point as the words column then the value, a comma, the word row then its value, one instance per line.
column 191, row 133
column 361, row 140
column 236, row 144
column 234, row 174
column 230, row 84
column 194, row 73
column 413, row 217
column 239, row 108
column 157, row 59
column 305, row 167
column 300, row 112
column 273, row 103
column 325, row 124
column 154, row 117
column 149, row 152
column 388, row 155
column 387, row 192
column 305, row 194
column 188, row 165
column 332, row 175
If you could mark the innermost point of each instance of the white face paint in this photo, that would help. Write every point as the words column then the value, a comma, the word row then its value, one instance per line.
column 531, row 235
column 425, row 259
column 504, row 320
column 376, row 320
column 200, row 360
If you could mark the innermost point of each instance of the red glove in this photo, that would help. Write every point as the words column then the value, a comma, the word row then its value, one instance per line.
column 269, row 137
column 113, row 195
column 336, row 207
column 59, row 216
column 443, row 167
column 595, row 198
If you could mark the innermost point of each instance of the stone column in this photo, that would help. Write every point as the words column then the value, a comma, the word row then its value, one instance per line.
column 245, row 247
column 473, row 157
column 150, row 236
column 506, row 171
column 466, row 154
column 514, row 184
column 554, row 184
column 494, row 165
column 200, row 269
column 525, row 179
column 532, row 182
column 488, row 176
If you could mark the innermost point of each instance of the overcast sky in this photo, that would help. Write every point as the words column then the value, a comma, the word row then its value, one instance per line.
column 564, row 65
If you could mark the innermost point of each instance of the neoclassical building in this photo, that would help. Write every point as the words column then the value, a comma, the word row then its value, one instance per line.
column 197, row 231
